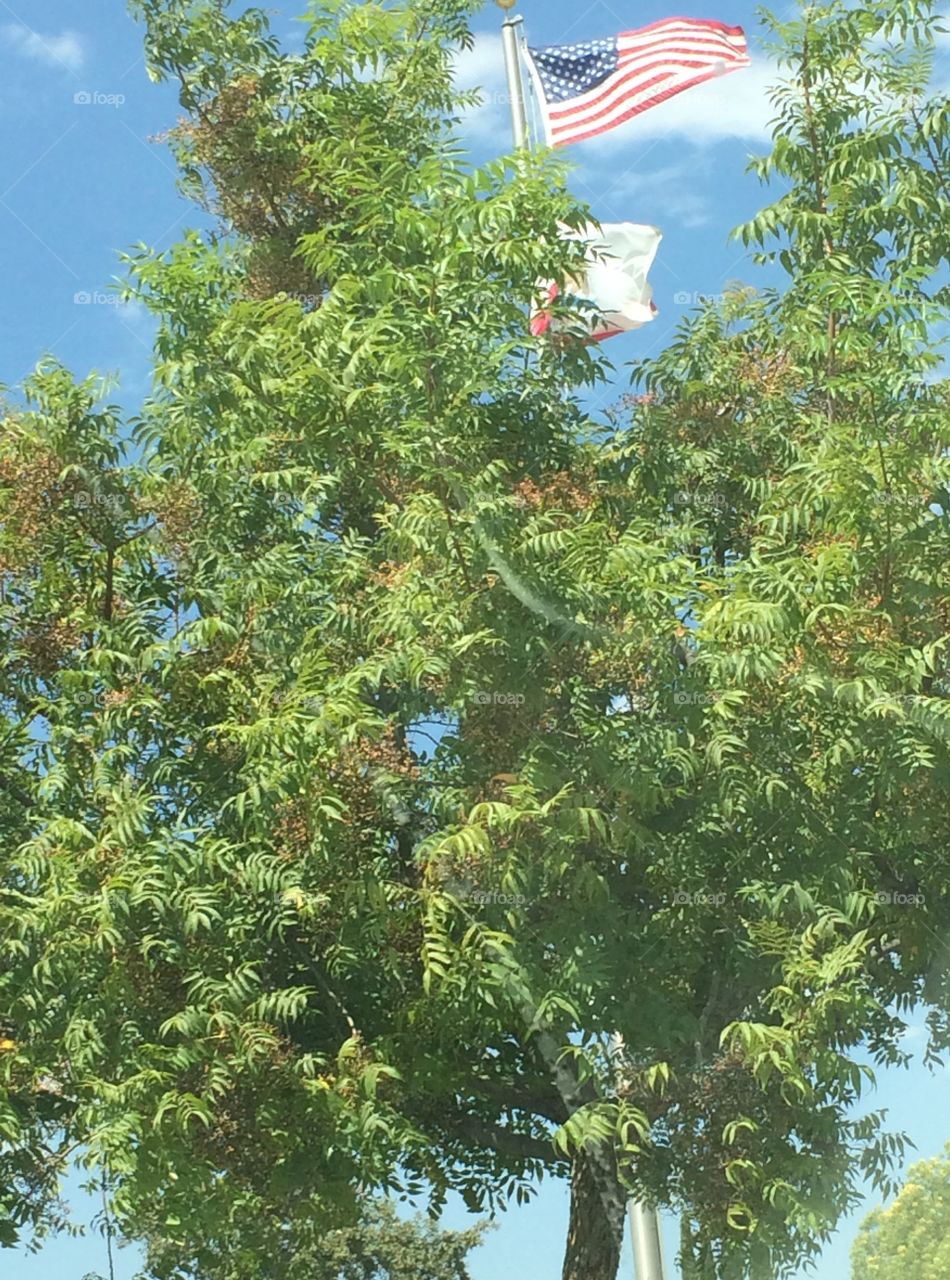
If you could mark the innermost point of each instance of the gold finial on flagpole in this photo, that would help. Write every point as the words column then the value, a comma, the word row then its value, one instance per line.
column 506, row 4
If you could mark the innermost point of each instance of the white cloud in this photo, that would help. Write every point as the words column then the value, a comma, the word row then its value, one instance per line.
column 484, row 62
column 483, row 67
column 135, row 316
column 681, row 189
column 65, row 50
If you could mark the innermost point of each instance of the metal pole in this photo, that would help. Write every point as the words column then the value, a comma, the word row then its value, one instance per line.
column 509, row 39
column 644, row 1223
column 644, row 1219
column 645, row 1232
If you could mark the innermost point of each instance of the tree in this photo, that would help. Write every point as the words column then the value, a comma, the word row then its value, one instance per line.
column 374, row 734
column 379, row 1247
column 909, row 1240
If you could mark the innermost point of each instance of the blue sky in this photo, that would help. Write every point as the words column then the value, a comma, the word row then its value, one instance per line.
column 80, row 180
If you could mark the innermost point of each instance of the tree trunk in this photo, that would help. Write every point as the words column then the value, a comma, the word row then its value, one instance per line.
column 595, row 1233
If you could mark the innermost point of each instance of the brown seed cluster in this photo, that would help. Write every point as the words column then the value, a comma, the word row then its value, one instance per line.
column 561, row 491
column 34, row 492
column 828, row 540
column 695, row 1110
column 157, row 985
column 259, row 183
column 48, row 645
column 793, row 665
column 388, row 754
column 355, row 776
column 292, row 831
column 771, row 371
column 390, row 574
column 248, row 1151
column 116, row 698
column 620, row 664
column 178, row 510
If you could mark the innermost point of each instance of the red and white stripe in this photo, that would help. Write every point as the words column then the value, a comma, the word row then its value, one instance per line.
column 655, row 63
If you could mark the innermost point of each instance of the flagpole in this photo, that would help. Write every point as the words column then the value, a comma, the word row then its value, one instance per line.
column 509, row 40
column 645, row 1234
column 644, row 1220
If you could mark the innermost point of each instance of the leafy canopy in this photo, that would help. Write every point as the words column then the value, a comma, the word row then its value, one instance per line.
column 384, row 735
column 910, row 1239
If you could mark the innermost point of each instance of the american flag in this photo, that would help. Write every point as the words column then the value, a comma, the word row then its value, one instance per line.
column 586, row 89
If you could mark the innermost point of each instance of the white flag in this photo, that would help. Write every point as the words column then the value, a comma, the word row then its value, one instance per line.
column 619, row 258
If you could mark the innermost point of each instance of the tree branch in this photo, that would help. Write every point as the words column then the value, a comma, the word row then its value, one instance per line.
column 507, row 1142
